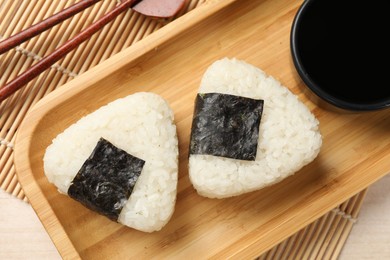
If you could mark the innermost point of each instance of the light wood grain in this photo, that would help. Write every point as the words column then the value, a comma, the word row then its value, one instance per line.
column 22, row 235
column 170, row 62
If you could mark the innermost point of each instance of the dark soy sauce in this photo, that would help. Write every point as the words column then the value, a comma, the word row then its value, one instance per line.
column 345, row 48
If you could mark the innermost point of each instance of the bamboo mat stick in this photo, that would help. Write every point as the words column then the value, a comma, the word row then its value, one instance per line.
column 127, row 30
column 88, row 49
column 106, row 37
column 48, row 40
column 89, row 17
column 94, row 41
column 9, row 114
column 48, row 84
column 26, row 64
column 3, row 62
column 305, row 243
column 346, row 218
column 6, row 184
column 16, row 117
column 11, row 125
column 141, row 32
column 7, row 15
column 282, row 248
column 59, row 67
column 346, row 209
column 59, row 36
column 71, row 55
column 191, row 5
column 138, row 24
column 152, row 27
column 17, row 61
column 5, row 155
column 68, row 29
column 14, row 180
column 14, row 187
column 339, row 230
column 65, row 30
column 86, row 18
column 132, row 30
column 354, row 213
column 331, row 230
column 33, row 7
column 53, row 81
column 39, row 14
column 116, row 34
column 30, row 44
column 20, row 195
column 36, row 92
column 289, row 244
column 31, row 19
column 9, row 179
column 8, row 103
column 314, row 237
column 19, row 21
column 101, row 45
column 297, row 243
column 279, row 249
column 6, row 165
column 5, row 6
column 16, row 21
column 17, row 190
column 112, row 36
column 44, row 25
column 321, row 237
column 87, row 52
column 9, row 22
column 271, row 253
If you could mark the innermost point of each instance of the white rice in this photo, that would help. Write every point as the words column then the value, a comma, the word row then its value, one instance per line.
column 142, row 124
column 289, row 136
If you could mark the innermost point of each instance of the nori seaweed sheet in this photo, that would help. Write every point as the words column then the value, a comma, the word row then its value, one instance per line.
column 226, row 125
column 106, row 179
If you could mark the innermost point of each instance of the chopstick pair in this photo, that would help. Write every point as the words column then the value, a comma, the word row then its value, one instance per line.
column 155, row 8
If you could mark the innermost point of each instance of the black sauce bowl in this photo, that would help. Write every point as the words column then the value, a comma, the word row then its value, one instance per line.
column 341, row 52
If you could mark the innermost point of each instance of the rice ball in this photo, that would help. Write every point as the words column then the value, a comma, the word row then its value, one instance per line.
column 288, row 135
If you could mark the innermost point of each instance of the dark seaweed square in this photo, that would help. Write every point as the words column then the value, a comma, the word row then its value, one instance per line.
column 226, row 125
column 106, row 179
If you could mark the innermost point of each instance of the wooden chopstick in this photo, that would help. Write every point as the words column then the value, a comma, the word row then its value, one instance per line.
column 60, row 52
column 44, row 25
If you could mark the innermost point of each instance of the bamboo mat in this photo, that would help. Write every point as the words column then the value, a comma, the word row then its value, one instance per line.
column 322, row 239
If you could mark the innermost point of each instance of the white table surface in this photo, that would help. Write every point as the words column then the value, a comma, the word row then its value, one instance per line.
column 22, row 235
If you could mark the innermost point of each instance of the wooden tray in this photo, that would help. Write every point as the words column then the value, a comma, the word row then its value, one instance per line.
column 171, row 62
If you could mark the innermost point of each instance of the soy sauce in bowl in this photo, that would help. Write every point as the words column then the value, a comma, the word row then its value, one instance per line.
column 341, row 51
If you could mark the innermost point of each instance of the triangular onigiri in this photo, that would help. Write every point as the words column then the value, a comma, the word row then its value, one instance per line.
column 288, row 135
column 141, row 125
